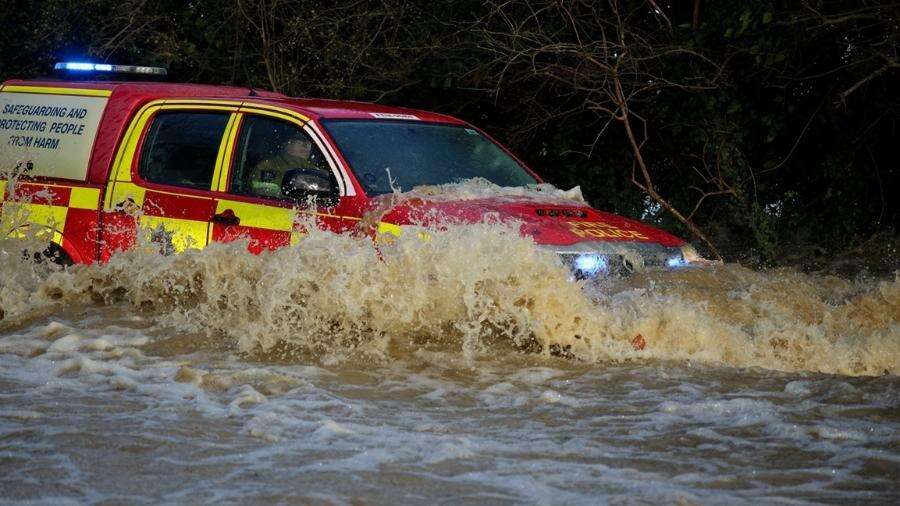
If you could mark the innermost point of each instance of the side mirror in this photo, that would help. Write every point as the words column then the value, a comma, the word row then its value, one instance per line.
column 300, row 184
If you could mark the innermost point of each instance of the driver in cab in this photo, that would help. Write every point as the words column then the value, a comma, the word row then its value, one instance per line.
column 266, row 177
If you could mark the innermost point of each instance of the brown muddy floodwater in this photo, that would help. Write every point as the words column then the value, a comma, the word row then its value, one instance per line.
column 323, row 374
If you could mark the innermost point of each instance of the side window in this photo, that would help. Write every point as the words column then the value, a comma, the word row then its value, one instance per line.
column 267, row 148
column 181, row 148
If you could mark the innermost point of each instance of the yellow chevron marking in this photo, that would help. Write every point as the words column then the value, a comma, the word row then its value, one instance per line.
column 84, row 198
column 260, row 215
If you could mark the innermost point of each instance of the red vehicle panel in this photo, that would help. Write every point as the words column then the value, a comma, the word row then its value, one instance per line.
column 115, row 202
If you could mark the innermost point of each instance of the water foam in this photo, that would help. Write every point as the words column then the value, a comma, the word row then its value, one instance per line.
column 480, row 188
column 482, row 289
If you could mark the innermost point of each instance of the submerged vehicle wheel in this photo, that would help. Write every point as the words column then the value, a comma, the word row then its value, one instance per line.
column 51, row 254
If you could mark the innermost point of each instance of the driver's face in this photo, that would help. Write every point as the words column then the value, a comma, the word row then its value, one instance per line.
column 297, row 148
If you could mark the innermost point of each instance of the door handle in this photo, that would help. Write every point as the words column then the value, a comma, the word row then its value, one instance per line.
column 226, row 218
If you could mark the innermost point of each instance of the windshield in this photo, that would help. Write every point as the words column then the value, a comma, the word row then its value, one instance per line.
column 417, row 154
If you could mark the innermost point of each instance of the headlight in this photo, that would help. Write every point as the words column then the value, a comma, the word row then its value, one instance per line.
column 589, row 265
column 677, row 261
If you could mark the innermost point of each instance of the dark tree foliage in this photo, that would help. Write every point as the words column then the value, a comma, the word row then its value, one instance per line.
column 762, row 125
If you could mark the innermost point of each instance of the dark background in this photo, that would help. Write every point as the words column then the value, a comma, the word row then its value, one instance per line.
column 768, row 127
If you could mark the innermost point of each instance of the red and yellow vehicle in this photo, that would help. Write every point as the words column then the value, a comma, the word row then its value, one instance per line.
column 95, row 162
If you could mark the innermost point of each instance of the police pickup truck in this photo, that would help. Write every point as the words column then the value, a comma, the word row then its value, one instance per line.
column 94, row 162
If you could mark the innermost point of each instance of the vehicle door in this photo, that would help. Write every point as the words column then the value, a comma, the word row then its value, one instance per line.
column 165, row 173
column 267, row 146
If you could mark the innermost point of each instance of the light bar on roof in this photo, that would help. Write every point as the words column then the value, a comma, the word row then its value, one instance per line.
column 72, row 66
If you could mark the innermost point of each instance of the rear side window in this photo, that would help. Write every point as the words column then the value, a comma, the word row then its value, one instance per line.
column 181, row 148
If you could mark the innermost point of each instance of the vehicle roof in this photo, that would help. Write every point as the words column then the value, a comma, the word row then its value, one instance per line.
column 314, row 107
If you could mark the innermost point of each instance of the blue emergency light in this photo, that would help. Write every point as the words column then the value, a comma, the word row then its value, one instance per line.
column 85, row 67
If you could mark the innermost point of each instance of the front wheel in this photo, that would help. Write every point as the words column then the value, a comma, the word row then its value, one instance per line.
column 51, row 254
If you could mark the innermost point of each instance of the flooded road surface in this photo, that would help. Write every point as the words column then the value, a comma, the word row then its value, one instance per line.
column 462, row 369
